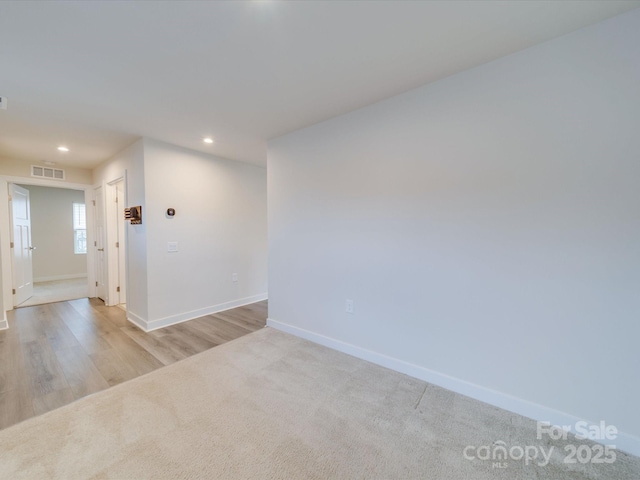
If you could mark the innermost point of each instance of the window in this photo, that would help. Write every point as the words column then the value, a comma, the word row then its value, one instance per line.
column 79, row 228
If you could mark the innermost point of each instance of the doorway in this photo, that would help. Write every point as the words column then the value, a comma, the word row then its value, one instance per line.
column 50, row 244
column 118, row 228
column 99, row 245
column 8, row 240
column 109, row 244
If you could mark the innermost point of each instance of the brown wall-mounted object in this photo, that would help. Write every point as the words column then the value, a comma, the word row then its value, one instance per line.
column 134, row 214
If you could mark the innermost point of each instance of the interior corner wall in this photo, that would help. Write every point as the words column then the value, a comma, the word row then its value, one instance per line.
column 53, row 234
column 219, row 226
column 130, row 162
column 486, row 227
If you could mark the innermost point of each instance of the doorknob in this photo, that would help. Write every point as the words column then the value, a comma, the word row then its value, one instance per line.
column 101, row 249
column 32, row 248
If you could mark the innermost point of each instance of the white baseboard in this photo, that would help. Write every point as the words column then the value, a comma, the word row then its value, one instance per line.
column 625, row 442
column 137, row 320
column 150, row 325
column 3, row 323
column 60, row 277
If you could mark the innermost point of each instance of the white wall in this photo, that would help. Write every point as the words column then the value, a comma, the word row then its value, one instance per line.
column 6, row 299
column 486, row 227
column 129, row 164
column 220, row 226
column 53, row 235
column 21, row 168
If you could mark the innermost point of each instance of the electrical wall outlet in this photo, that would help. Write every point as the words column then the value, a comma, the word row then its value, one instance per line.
column 172, row 247
column 349, row 306
column 234, row 277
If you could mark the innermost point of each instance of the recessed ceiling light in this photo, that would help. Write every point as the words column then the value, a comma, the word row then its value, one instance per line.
column 207, row 140
column 63, row 149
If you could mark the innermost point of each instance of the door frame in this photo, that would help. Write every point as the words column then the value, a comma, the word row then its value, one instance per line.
column 99, row 192
column 5, row 229
column 114, row 221
column 112, row 213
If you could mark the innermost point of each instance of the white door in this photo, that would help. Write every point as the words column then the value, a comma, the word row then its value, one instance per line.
column 122, row 277
column 22, row 248
column 100, row 257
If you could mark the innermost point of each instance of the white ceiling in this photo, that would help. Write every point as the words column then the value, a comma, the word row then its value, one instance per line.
column 96, row 75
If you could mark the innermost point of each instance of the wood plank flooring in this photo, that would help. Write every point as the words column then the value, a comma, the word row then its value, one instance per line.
column 56, row 353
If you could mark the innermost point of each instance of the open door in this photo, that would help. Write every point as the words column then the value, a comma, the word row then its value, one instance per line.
column 22, row 249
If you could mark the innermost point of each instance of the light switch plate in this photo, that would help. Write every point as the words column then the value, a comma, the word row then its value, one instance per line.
column 349, row 306
column 172, row 246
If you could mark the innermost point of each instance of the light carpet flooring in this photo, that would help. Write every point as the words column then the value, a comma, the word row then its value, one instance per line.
column 57, row 291
column 270, row 405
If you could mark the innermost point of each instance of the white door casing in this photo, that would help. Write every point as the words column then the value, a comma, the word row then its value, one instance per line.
column 115, row 241
column 99, row 245
column 22, row 259
column 122, row 277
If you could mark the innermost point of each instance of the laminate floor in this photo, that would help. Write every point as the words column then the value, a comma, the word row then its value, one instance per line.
column 56, row 353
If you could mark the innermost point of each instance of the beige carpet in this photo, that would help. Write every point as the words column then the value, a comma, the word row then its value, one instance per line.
column 270, row 405
column 57, row 291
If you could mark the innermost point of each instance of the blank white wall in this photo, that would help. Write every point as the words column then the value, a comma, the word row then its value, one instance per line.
column 53, row 235
column 220, row 226
column 486, row 226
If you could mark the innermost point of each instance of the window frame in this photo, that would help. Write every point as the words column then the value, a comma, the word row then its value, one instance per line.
column 79, row 223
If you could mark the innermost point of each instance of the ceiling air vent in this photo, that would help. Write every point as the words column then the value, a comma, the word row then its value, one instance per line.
column 47, row 172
